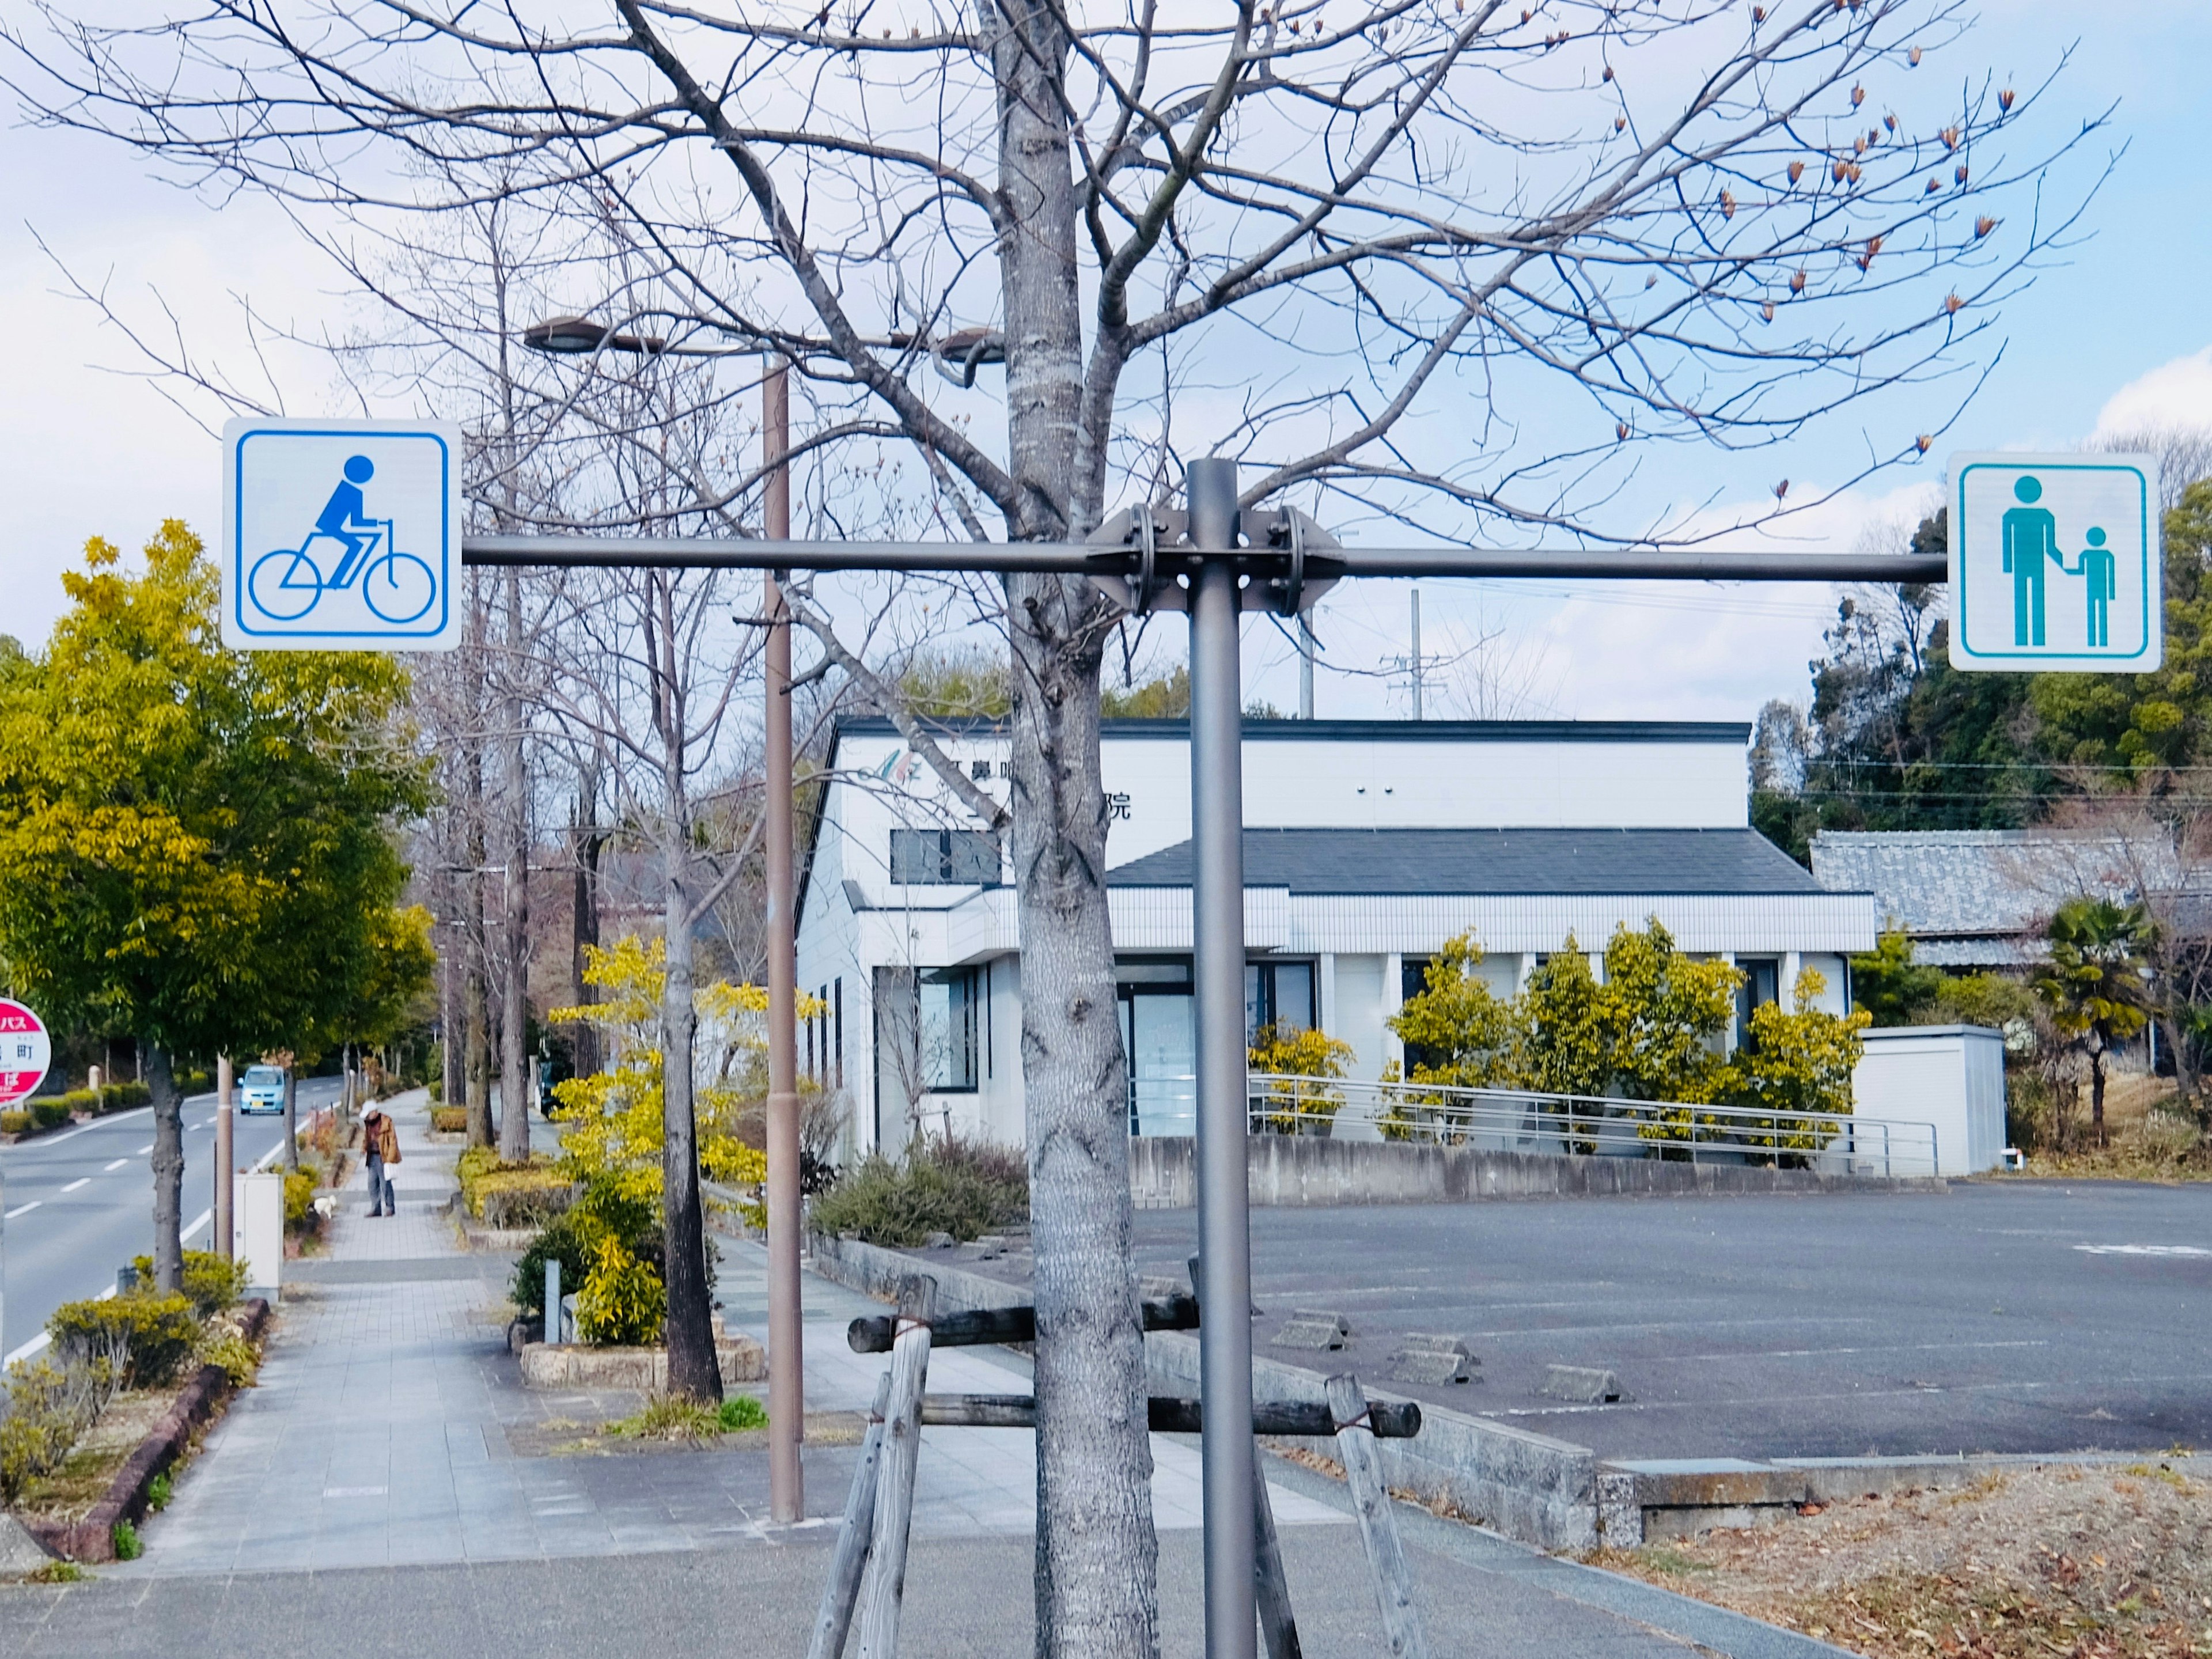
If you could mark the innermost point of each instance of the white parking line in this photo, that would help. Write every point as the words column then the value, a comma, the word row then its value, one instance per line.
column 22, row 1209
column 82, row 1181
column 117, row 1164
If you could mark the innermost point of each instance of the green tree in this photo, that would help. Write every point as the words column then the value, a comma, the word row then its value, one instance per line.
column 1162, row 697
column 193, row 842
column 2094, row 984
column 1666, row 1015
column 1457, row 1030
column 1892, row 988
column 1800, row 1060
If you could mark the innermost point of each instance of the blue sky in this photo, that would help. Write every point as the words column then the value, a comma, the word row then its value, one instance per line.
column 2116, row 334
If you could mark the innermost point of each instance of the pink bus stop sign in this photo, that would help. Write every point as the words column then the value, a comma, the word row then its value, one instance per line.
column 24, row 1053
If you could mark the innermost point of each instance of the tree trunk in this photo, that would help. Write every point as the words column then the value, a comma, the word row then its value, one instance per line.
column 693, row 1371
column 515, row 1014
column 2097, row 1096
column 1097, row 1552
column 584, row 917
column 291, row 1118
column 168, row 1169
column 451, row 1090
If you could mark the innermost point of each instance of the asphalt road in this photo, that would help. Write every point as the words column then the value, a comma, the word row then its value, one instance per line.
column 80, row 1203
column 2006, row 1317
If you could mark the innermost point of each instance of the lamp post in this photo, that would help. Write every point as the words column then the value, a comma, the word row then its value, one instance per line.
column 786, row 1385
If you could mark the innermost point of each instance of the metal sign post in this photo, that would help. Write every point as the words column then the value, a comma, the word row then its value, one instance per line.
column 1217, row 563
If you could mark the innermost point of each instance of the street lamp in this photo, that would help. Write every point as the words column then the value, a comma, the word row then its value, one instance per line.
column 578, row 336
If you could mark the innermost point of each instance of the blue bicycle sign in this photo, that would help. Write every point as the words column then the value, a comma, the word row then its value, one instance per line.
column 340, row 535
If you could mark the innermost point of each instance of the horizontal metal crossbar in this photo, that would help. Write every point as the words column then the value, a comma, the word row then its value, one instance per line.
column 1525, row 1121
column 1389, row 1419
column 1085, row 559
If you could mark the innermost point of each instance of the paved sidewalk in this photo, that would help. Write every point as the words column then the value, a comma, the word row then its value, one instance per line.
column 380, row 1482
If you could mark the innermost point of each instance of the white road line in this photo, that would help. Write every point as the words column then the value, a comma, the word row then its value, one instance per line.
column 146, row 1148
column 117, row 1164
column 22, row 1209
column 82, row 1181
column 87, row 1129
column 27, row 1349
column 2140, row 1249
column 206, row 1216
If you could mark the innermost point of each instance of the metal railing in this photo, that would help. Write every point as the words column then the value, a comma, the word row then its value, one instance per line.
column 1526, row 1120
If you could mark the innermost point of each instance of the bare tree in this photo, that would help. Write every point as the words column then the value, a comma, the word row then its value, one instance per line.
column 1457, row 267
column 2184, row 452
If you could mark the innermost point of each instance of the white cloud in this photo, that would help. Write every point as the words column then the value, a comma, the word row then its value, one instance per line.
column 2176, row 393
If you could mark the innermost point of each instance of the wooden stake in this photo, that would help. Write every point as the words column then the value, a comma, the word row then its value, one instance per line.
column 1273, row 1585
column 1378, row 1528
column 857, row 1531
column 879, row 1609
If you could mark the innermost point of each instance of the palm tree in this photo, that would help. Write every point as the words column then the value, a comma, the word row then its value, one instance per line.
column 2096, row 985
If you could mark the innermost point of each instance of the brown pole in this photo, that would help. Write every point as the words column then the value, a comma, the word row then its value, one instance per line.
column 786, row 1389
column 224, row 1079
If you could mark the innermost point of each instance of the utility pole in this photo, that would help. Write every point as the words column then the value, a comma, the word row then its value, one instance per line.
column 1224, row 1238
column 1416, row 653
column 1305, row 666
column 786, row 1384
column 225, row 1235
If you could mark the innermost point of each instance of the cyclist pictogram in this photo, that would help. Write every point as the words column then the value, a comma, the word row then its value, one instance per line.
column 341, row 534
column 287, row 583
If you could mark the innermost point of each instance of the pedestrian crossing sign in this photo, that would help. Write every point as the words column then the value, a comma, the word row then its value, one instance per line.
column 2056, row 563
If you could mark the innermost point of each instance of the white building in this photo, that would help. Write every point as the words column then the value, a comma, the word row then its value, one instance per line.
column 1367, row 844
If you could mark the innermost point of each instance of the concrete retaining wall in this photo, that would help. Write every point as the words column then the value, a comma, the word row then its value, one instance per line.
column 1528, row 1487
column 1305, row 1169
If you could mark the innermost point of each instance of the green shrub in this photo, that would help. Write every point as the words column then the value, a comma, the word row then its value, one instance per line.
column 14, row 1122
column 127, row 1546
column 159, row 1490
column 438, row 1094
column 51, row 1111
column 742, row 1411
column 540, row 1190
column 559, row 1241
column 942, row 1186
column 49, row 1406
column 123, row 1097
column 622, row 1302
column 212, row 1282
column 300, row 1216
column 148, row 1334
column 239, row 1359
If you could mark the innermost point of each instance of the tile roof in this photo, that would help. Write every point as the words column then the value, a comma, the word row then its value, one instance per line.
column 1980, row 883
column 1488, row 862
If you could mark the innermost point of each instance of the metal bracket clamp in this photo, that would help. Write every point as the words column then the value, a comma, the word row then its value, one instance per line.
column 1153, row 536
column 1304, row 577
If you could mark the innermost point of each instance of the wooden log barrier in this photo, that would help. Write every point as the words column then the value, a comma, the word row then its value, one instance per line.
column 842, row 1591
column 1379, row 1526
column 1398, row 1419
column 873, row 1333
column 893, row 1520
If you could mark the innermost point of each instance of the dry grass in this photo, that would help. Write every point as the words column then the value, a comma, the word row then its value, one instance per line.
column 2090, row 1563
column 2149, row 1136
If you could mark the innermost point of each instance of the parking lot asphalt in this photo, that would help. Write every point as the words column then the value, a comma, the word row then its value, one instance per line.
column 2000, row 1317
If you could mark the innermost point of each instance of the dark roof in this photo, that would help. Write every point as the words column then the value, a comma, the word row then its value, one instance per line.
column 1412, row 862
column 1287, row 731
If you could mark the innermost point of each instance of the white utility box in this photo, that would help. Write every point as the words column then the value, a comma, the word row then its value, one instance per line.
column 1950, row 1076
column 259, row 1238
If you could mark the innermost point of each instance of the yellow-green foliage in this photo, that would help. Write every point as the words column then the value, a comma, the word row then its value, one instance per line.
column 48, row 1407
column 1801, row 1061
column 1651, row 1031
column 1287, row 1051
column 152, row 1334
column 212, row 1282
column 623, row 1301
column 482, row 1174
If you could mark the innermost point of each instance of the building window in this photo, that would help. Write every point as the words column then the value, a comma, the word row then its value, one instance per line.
column 959, row 858
column 1277, row 994
column 1762, row 982
column 951, row 1029
column 1158, row 1036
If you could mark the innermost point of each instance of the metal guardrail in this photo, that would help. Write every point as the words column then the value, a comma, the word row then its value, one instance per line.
column 1527, row 1120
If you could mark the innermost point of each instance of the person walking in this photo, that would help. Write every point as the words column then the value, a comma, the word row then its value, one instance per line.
column 380, row 1145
